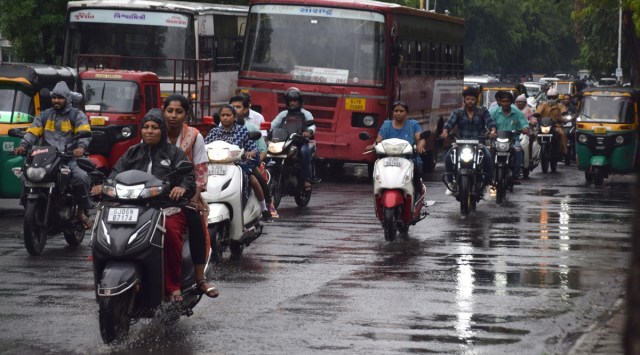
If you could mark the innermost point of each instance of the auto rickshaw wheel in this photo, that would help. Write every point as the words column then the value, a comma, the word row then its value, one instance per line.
column 588, row 177
column 598, row 176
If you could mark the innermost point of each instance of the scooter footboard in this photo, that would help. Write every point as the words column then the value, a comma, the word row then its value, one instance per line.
column 118, row 276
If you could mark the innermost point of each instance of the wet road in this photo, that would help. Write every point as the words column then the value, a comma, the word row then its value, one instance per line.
column 527, row 277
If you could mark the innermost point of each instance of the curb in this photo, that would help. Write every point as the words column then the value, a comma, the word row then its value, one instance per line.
column 605, row 335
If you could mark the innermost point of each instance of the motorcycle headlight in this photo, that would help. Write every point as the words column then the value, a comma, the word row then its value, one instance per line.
column 619, row 139
column 276, row 148
column 582, row 139
column 129, row 192
column 36, row 174
column 222, row 155
column 502, row 146
column 466, row 155
column 545, row 129
column 394, row 149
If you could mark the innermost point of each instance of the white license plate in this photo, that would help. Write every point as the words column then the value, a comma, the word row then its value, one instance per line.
column 217, row 169
column 391, row 162
column 122, row 215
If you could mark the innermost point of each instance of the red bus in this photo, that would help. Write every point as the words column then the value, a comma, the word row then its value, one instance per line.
column 351, row 59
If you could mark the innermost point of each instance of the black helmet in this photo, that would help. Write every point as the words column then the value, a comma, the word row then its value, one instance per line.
column 293, row 93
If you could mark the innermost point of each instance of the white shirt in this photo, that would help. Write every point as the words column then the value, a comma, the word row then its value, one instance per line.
column 255, row 117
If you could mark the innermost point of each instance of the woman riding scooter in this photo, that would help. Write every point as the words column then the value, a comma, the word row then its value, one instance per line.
column 158, row 157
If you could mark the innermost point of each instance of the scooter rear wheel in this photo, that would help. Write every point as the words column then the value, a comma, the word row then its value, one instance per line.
column 35, row 229
column 113, row 316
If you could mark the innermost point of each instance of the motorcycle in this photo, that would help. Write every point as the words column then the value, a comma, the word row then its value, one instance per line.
column 569, row 126
column 233, row 221
column 50, row 207
column 467, row 155
column 531, row 149
column 398, row 206
column 550, row 152
column 503, row 146
column 127, row 251
column 285, row 161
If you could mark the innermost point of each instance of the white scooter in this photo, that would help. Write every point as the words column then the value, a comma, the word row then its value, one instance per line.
column 233, row 221
column 398, row 206
column 531, row 154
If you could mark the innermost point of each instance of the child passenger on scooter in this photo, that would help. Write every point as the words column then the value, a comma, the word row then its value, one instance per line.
column 158, row 157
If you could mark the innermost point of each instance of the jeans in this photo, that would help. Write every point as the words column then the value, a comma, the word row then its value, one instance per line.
column 305, row 153
column 518, row 158
column 487, row 166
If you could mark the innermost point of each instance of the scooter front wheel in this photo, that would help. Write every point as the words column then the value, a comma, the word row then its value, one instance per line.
column 35, row 226
column 464, row 195
column 113, row 316
column 389, row 224
column 219, row 235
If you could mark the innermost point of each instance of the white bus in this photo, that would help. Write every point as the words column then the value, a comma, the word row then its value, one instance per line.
column 186, row 41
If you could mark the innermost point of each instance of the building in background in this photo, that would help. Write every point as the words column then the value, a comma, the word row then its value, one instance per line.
column 6, row 52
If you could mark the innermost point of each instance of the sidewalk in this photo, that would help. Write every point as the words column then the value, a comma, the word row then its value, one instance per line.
column 605, row 336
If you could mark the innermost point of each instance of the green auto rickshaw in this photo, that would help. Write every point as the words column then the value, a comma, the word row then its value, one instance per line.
column 607, row 132
column 24, row 93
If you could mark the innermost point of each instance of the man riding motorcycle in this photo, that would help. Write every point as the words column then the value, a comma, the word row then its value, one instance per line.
column 552, row 108
column 294, row 101
column 508, row 118
column 472, row 122
column 57, row 126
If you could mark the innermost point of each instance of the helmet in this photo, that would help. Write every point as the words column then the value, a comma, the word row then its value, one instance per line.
column 552, row 92
column 293, row 93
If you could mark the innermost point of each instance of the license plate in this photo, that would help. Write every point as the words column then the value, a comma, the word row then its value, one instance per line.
column 98, row 120
column 217, row 169
column 391, row 162
column 355, row 104
column 600, row 130
column 122, row 215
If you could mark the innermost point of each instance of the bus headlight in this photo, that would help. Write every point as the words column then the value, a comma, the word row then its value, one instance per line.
column 582, row 139
column 368, row 121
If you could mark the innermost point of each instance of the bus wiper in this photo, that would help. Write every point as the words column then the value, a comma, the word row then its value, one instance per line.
column 104, row 85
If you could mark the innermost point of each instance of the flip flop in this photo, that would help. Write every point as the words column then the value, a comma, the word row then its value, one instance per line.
column 211, row 292
column 86, row 223
column 307, row 186
column 175, row 296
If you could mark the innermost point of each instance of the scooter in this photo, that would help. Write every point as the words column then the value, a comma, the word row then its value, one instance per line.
column 50, row 207
column 398, row 206
column 234, row 221
column 127, row 250
column 531, row 149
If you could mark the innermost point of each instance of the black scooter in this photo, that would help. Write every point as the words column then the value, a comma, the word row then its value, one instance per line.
column 127, row 248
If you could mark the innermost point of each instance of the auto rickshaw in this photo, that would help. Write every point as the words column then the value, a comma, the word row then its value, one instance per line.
column 607, row 132
column 24, row 93
column 487, row 92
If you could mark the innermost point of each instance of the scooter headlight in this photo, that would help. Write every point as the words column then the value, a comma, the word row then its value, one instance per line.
column 151, row 191
column 582, row 138
column 545, row 129
column 129, row 192
column 223, row 155
column 393, row 148
column 466, row 155
column 619, row 139
column 36, row 174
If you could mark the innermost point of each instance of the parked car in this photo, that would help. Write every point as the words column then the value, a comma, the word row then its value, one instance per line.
column 607, row 82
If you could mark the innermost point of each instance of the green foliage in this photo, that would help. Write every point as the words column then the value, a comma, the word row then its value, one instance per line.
column 33, row 27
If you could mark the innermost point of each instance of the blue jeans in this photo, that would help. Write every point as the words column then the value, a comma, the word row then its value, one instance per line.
column 487, row 165
column 305, row 154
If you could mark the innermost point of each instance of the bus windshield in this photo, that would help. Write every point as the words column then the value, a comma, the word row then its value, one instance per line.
column 113, row 33
column 111, row 96
column 23, row 110
column 614, row 109
column 315, row 44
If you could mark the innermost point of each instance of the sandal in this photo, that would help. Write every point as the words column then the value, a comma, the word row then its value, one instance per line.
column 307, row 186
column 85, row 222
column 175, row 296
column 211, row 291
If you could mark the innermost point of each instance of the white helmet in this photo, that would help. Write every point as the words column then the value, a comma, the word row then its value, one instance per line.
column 552, row 92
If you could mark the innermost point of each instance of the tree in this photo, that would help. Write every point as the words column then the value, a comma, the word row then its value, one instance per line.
column 33, row 27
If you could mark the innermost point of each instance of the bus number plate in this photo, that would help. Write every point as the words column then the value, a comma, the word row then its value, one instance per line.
column 98, row 120
column 355, row 104
column 122, row 215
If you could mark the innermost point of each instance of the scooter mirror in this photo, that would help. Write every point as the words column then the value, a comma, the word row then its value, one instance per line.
column 184, row 167
column 254, row 136
column 16, row 132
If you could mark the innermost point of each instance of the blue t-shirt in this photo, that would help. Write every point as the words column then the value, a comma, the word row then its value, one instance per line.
column 407, row 133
